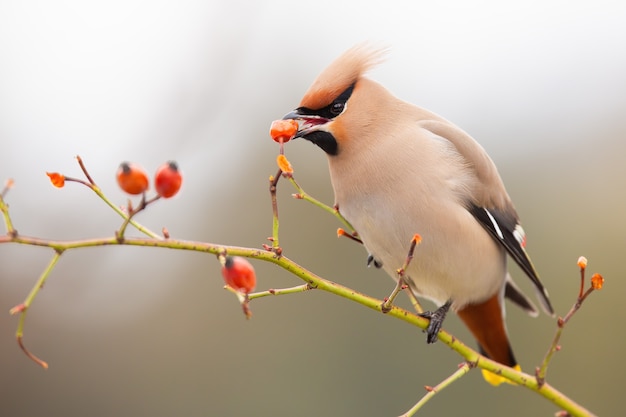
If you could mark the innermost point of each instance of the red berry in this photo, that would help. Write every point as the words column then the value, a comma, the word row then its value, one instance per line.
column 132, row 178
column 283, row 130
column 239, row 274
column 168, row 179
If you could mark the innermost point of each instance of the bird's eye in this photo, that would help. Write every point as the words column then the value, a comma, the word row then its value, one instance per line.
column 337, row 107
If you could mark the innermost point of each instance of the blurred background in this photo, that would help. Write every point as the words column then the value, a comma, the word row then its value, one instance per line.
column 138, row 331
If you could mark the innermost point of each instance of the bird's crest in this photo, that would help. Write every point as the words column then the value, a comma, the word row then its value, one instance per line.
column 342, row 73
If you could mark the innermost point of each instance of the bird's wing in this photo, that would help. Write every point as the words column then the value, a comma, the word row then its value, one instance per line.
column 507, row 231
column 492, row 206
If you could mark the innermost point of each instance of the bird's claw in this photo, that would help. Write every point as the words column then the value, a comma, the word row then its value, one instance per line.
column 436, row 321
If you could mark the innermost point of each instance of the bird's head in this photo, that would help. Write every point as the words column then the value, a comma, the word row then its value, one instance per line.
column 341, row 102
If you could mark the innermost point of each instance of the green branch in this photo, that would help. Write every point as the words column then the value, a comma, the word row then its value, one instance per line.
column 317, row 282
column 273, row 254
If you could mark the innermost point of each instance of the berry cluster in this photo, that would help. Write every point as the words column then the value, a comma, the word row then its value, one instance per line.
column 133, row 179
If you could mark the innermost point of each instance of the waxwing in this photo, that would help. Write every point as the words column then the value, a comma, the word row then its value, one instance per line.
column 398, row 170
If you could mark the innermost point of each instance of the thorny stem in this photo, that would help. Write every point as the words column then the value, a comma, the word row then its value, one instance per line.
column 463, row 369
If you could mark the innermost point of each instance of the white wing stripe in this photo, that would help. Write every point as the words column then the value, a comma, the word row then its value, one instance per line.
column 495, row 225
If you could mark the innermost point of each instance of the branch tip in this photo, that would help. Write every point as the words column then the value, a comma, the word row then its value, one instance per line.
column 246, row 309
column 30, row 355
column 84, row 169
column 21, row 307
column 8, row 184
column 597, row 281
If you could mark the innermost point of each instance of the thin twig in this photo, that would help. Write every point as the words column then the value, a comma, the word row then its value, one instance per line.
column 302, row 195
column 281, row 291
column 401, row 283
column 8, row 184
column 23, row 308
column 133, row 212
column 84, row 169
column 275, row 224
column 462, row 370
column 352, row 236
column 542, row 370
column 8, row 223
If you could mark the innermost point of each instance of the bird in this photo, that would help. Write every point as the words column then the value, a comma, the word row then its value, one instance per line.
column 398, row 170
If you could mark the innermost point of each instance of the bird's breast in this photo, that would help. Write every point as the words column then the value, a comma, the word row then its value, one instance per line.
column 389, row 200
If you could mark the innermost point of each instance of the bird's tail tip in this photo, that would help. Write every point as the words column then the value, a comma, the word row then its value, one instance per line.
column 495, row 379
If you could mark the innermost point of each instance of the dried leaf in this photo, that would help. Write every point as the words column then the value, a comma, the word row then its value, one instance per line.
column 284, row 164
column 56, row 179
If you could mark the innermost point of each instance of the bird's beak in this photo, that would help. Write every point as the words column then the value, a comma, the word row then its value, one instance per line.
column 308, row 123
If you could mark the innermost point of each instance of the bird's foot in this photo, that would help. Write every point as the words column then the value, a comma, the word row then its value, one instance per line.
column 436, row 320
column 372, row 261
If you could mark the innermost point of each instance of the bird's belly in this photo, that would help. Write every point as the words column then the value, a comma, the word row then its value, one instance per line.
column 456, row 260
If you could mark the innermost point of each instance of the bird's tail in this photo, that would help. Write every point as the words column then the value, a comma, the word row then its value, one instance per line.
column 486, row 322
